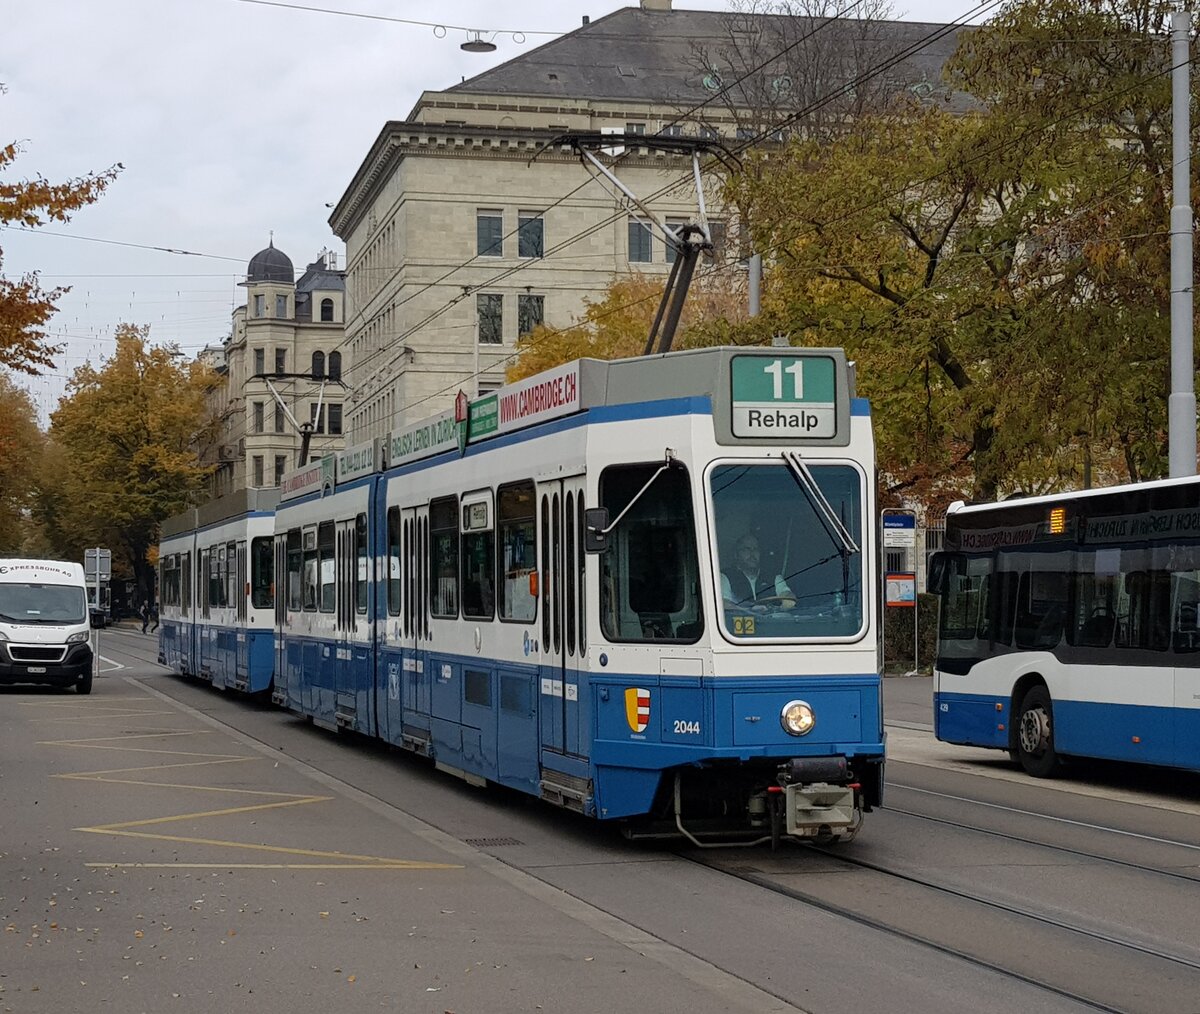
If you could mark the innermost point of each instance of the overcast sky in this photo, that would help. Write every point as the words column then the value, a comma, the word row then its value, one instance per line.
column 232, row 119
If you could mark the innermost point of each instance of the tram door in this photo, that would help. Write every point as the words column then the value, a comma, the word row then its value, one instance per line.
column 415, row 668
column 563, row 637
column 241, row 641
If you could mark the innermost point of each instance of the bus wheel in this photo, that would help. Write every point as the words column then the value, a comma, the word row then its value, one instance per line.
column 1035, row 734
column 84, row 684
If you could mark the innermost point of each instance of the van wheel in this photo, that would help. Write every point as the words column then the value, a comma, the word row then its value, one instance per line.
column 84, row 685
column 1035, row 734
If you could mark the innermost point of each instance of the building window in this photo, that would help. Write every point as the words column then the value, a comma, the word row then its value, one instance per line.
column 675, row 224
column 530, row 313
column 279, row 418
column 491, row 317
column 258, row 470
column 281, row 307
column 673, row 130
column 258, row 417
column 260, row 305
column 280, row 468
column 635, row 128
column 709, row 133
column 641, row 249
column 281, row 360
column 318, row 420
column 530, row 234
column 260, row 361
column 335, row 366
column 318, row 365
column 489, row 234
column 326, row 311
column 746, row 134
column 335, row 420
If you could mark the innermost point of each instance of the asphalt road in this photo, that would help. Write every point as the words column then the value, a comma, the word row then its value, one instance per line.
column 166, row 847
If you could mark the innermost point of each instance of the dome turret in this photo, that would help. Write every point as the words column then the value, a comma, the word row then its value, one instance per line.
column 270, row 265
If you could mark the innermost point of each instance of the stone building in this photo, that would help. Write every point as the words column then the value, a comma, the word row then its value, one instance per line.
column 458, row 240
column 283, row 357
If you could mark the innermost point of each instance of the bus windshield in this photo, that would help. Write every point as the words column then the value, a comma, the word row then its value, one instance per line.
column 57, row 604
column 787, row 569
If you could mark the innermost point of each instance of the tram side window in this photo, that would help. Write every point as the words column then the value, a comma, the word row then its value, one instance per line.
column 295, row 571
column 393, row 561
column 310, row 578
column 516, row 507
column 478, row 570
column 232, row 592
column 443, row 536
column 650, row 572
column 361, row 569
column 262, row 573
column 216, row 591
column 325, row 549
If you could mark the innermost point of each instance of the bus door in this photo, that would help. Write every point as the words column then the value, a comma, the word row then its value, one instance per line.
column 1185, row 645
column 563, row 639
column 417, row 691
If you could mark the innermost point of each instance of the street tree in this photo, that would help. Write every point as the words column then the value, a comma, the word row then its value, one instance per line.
column 131, row 429
column 22, row 446
column 25, row 306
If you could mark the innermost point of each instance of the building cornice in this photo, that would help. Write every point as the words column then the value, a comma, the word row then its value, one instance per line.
column 400, row 139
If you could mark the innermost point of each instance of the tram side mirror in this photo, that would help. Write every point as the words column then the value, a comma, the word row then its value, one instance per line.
column 595, row 521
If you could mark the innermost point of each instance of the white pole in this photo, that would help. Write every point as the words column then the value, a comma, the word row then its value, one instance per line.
column 1181, row 406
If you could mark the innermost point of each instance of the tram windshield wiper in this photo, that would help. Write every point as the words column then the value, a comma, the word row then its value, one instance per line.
column 823, row 508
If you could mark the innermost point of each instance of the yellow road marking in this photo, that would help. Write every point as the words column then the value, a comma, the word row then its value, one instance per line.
column 165, row 734
column 91, row 777
column 315, row 853
column 404, row 865
column 220, row 759
column 90, row 707
column 101, row 718
column 294, row 800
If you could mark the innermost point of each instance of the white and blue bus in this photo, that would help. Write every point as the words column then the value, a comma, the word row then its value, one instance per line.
column 645, row 590
column 1069, row 626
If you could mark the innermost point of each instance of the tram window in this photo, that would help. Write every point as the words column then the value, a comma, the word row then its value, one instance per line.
column 516, row 516
column 262, row 573
column 569, row 569
column 650, row 573
column 362, row 570
column 233, row 592
column 393, row 561
column 478, row 563
column 580, row 528
column 325, row 551
column 443, row 534
column 295, row 568
column 544, row 587
column 311, row 584
column 216, row 594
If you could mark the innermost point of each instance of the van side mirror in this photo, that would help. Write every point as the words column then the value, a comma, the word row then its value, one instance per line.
column 595, row 523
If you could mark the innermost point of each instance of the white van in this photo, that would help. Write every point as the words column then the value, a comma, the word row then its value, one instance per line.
column 44, row 625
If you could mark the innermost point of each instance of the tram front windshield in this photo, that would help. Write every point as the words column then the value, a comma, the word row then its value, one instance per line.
column 787, row 568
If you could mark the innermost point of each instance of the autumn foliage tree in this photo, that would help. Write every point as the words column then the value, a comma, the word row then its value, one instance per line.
column 25, row 306
column 22, row 452
column 130, row 430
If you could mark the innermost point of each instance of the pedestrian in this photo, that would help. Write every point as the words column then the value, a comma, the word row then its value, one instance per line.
column 144, row 613
column 154, row 616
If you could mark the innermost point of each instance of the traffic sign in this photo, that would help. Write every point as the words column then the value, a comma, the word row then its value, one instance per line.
column 98, row 563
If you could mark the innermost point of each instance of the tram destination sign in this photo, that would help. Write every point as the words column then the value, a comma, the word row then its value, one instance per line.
column 784, row 397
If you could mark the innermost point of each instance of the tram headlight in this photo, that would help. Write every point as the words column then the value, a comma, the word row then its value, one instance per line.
column 797, row 718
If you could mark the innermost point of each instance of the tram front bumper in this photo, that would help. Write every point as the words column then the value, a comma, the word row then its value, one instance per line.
column 819, row 808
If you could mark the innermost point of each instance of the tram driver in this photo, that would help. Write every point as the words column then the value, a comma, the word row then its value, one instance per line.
column 744, row 587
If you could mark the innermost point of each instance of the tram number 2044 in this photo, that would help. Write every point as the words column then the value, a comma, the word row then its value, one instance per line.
column 684, row 728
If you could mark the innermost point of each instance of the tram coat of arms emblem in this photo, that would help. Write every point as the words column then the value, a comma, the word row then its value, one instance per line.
column 637, row 708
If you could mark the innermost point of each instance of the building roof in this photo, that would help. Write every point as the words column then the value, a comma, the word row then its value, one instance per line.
column 270, row 265
column 660, row 56
column 318, row 275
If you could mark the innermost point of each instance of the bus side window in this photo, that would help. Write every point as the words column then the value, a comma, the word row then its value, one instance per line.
column 1185, row 634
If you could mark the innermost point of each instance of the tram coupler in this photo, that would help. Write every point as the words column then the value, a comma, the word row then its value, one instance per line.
column 819, row 798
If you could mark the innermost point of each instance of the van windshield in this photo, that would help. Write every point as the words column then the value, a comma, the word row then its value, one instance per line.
column 57, row 604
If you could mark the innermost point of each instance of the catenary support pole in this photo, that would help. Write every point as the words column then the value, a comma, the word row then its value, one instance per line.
column 1181, row 406
column 755, row 284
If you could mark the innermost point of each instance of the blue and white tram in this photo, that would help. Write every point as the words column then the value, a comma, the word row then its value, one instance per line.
column 223, row 633
column 552, row 597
